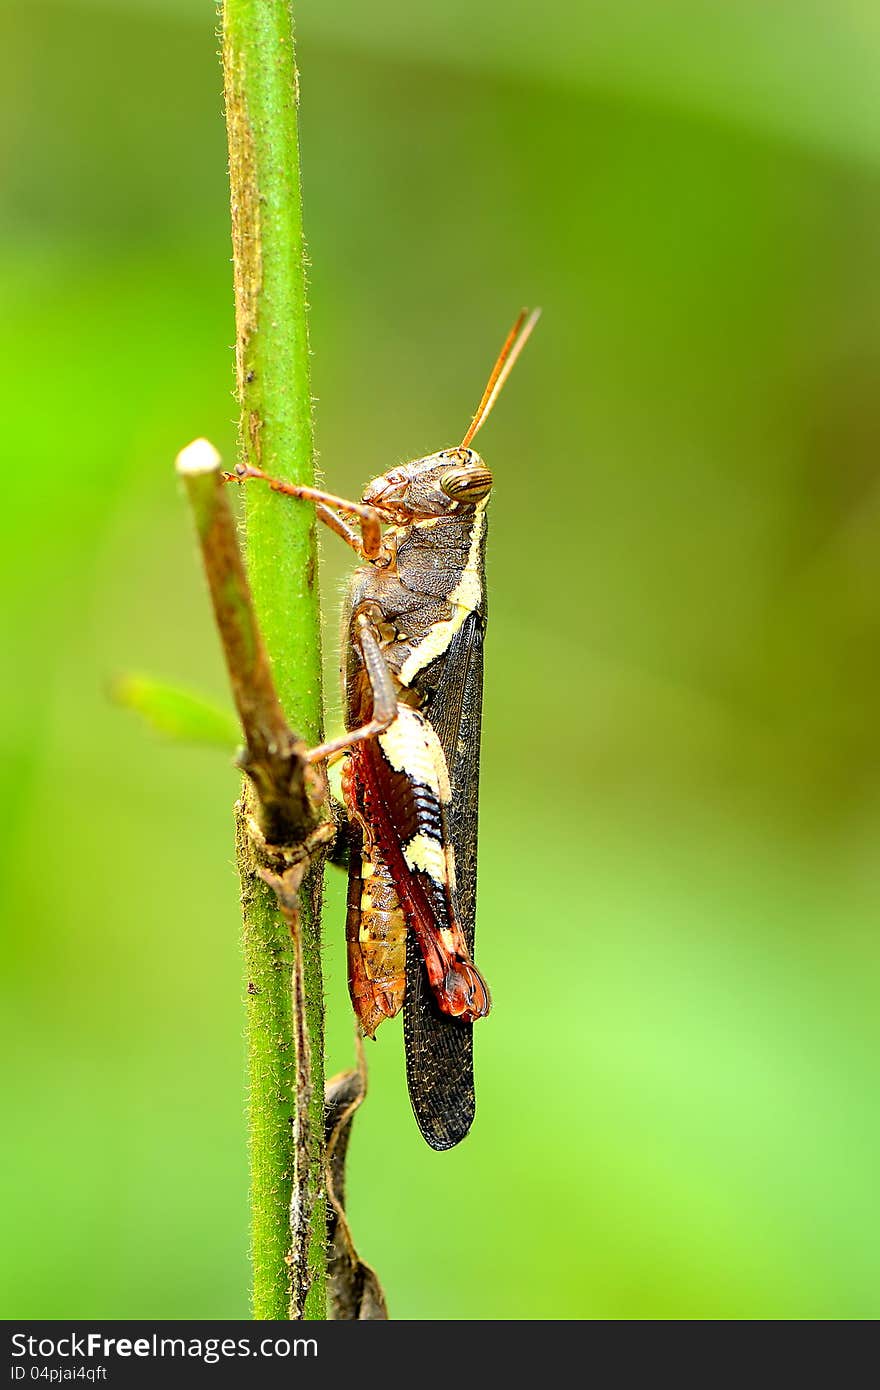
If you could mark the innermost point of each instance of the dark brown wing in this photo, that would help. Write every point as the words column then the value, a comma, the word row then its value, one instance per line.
column 439, row 1049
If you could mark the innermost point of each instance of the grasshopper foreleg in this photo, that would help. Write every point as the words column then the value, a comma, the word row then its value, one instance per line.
column 367, row 542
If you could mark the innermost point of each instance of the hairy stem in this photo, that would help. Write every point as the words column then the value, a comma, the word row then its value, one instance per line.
column 272, row 366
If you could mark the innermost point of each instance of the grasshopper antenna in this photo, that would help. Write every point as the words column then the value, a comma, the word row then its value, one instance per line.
column 513, row 346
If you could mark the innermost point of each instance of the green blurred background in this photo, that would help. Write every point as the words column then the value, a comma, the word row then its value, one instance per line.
column 678, row 1110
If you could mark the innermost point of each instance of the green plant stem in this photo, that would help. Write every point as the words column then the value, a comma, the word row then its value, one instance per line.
column 272, row 367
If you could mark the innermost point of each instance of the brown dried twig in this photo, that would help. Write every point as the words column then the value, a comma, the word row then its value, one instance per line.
column 288, row 789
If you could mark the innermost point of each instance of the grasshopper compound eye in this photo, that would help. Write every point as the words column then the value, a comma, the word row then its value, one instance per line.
column 467, row 484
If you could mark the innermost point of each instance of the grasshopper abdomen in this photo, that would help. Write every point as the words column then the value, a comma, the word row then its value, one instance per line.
column 397, row 787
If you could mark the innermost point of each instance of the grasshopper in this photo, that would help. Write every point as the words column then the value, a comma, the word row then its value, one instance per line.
column 414, row 623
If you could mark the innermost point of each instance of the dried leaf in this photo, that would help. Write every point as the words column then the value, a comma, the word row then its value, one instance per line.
column 354, row 1288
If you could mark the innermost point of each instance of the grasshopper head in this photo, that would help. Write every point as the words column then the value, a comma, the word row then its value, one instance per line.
column 455, row 480
column 452, row 481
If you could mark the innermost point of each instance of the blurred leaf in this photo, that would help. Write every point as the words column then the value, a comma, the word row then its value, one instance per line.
column 179, row 714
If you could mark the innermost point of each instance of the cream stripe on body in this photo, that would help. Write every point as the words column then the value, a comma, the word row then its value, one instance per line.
column 465, row 598
column 426, row 854
column 411, row 746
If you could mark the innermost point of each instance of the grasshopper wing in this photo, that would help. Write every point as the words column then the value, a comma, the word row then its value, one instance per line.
column 439, row 1048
